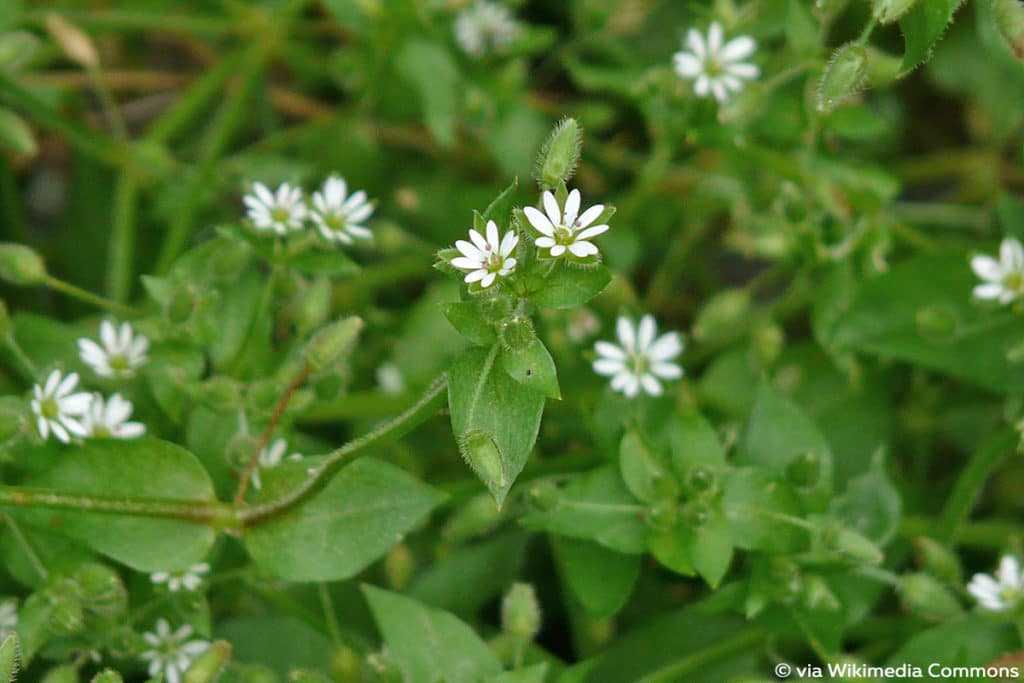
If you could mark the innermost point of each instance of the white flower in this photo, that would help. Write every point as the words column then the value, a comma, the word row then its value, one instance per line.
column 1001, row 593
column 640, row 359
column 1004, row 279
column 270, row 456
column 339, row 216
column 171, row 654
column 716, row 68
column 566, row 228
column 484, row 26
column 120, row 353
column 189, row 579
column 486, row 259
column 58, row 410
column 8, row 616
column 280, row 212
column 108, row 419
column 390, row 379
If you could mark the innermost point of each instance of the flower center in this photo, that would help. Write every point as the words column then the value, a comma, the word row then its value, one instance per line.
column 118, row 362
column 641, row 364
column 49, row 409
column 280, row 214
column 101, row 432
column 1014, row 281
column 712, row 67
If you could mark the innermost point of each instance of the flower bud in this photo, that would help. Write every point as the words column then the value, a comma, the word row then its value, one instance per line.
column 399, row 564
column 560, row 154
column 16, row 135
column 843, row 77
column 206, row 668
column 10, row 650
column 61, row 674
column 332, row 343
column 701, row 479
column 21, row 265
column 926, row 597
column 107, row 676
column 663, row 515
column 517, row 333
column 1010, row 22
column 474, row 517
column 804, row 470
column 482, row 455
column 696, row 514
column 520, row 611
column 723, row 315
column 850, row 545
column 543, row 495
column 75, row 44
column 100, row 589
column 66, row 614
column 888, row 11
column 937, row 560
column 346, row 665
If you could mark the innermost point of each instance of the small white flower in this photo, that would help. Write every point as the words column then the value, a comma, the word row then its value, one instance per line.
column 189, row 579
column 486, row 259
column 339, row 216
column 271, row 456
column 716, row 69
column 57, row 410
column 109, row 419
column 566, row 228
column 1001, row 593
column 390, row 379
column 484, row 26
column 640, row 359
column 1004, row 279
column 171, row 653
column 8, row 616
column 119, row 354
column 281, row 212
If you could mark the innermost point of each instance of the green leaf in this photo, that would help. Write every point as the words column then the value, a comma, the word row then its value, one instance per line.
column 432, row 73
column 640, row 468
column 466, row 318
column 357, row 517
column 570, row 286
column 500, row 210
column 145, row 467
column 430, row 645
column 936, row 326
column 280, row 642
column 971, row 641
column 711, row 548
column 239, row 308
column 316, row 262
column 531, row 674
column 922, row 28
column 532, row 366
column 494, row 418
column 694, row 442
column 596, row 506
column 754, row 503
column 601, row 579
column 871, row 504
column 802, row 28
column 15, row 134
column 780, row 434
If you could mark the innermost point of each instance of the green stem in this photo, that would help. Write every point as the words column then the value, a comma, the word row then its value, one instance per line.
column 682, row 669
column 989, row 535
column 991, row 455
column 212, row 512
column 107, row 101
column 122, row 239
column 88, row 141
column 88, row 297
column 23, row 364
column 330, row 616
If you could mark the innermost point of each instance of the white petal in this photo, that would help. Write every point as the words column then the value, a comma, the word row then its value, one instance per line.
column 466, row 263
column 544, row 242
column 572, row 208
column 609, row 350
column 539, row 221
column 651, row 385
column 714, row 38
column 646, row 331
column 702, row 86
column 1009, row 572
column 695, row 41
column 632, row 387
column 508, row 243
column 745, row 71
column 589, row 216
column 558, row 250
column 737, row 49
column 985, row 267
column 608, row 366
column 488, row 280
column 666, row 347
column 622, row 379
column 593, row 232
column 991, row 290
column 476, row 276
column 67, row 385
column 1011, row 254
column 360, row 214
column 687, row 65
column 479, row 241
column 583, row 249
column 666, row 370
column 492, row 236
column 719, row 91
column 626, row 333
column 551, row 207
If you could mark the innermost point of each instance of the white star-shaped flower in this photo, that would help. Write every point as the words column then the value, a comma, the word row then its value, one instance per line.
column 119, row 354
column 486, row 259
column 1001, row 593
column 484, row 26
column 1004, row 279
column 171, row 653
column 339, row 216
column 281, row 212
column 716, row 69
column 271, row 456
column 640, row 358
column 57, row 410
column 8, row 616
column 108, row 419
column 189, row 579
column 566, row 228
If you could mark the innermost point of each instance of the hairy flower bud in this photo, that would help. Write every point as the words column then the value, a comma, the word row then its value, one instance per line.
column 10, row 652
column 850, row 545
column 938, row 560
column 520, row 611
column 21, row 265
column 100, row 589
column 844, row 76
column 481, row 453
column 925, row 596
column 560, row 154
column 332, row 343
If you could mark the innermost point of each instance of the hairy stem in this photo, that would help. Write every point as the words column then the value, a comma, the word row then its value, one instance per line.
column 76, row 292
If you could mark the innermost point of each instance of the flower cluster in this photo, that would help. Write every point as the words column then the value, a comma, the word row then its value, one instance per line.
column 171, row 653
column 190, row 579
column 1002, row 279
column 337, row 215
column 68, row 414
column 271, row 456
column 1002, row 592
column 641, row 358
column 716, row 67
column 484, row 26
